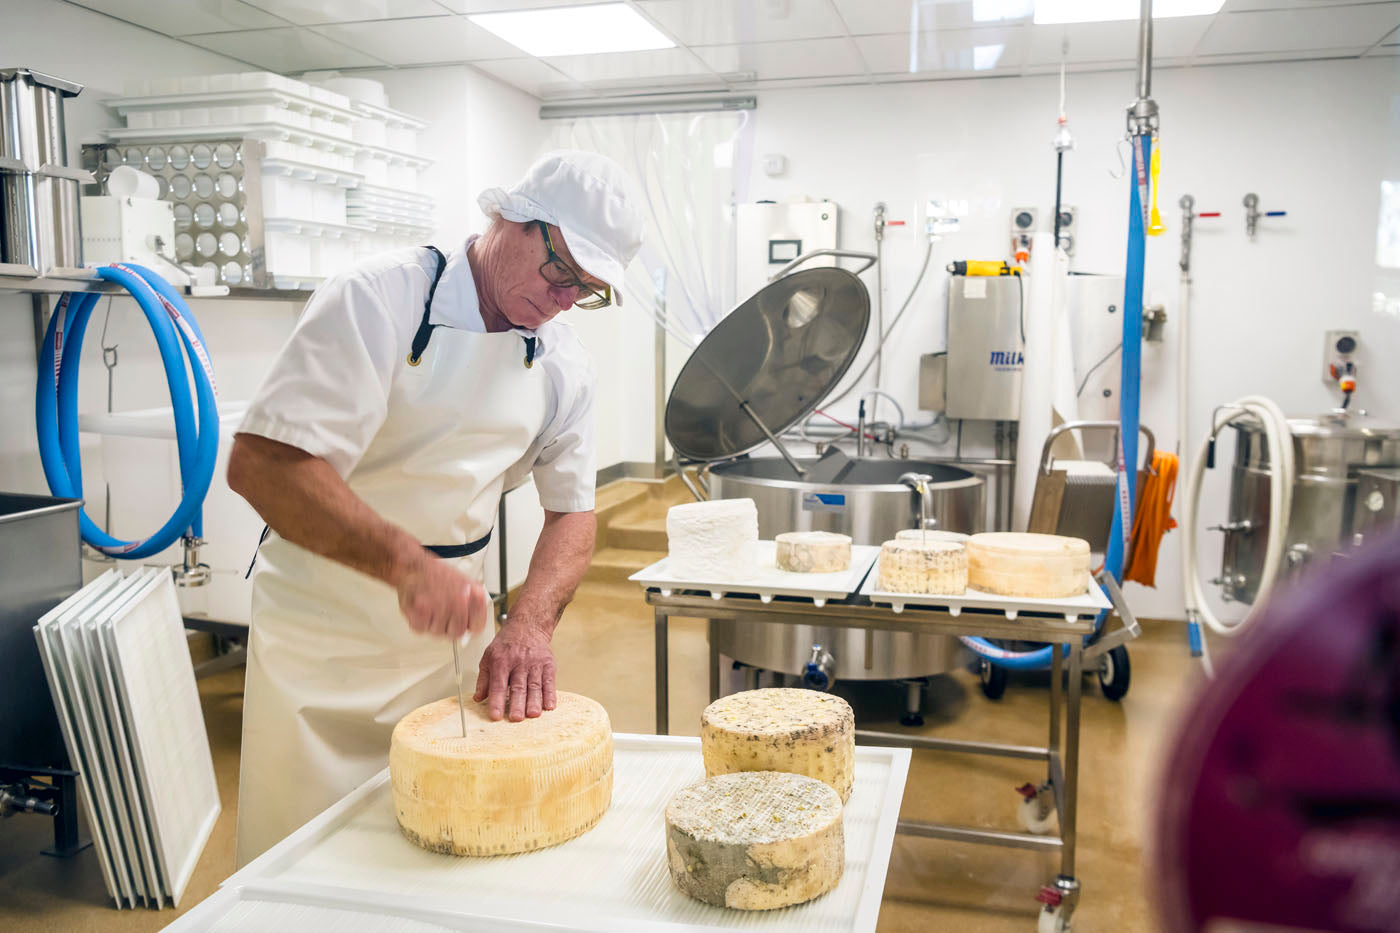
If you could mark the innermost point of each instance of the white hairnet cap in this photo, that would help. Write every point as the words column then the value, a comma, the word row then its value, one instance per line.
column 587, row 196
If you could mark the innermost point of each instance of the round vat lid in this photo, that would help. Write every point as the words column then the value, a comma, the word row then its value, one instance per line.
column 780, row 352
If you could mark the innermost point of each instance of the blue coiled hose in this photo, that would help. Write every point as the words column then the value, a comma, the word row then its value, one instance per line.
column 1129, row 400
column 196, row 433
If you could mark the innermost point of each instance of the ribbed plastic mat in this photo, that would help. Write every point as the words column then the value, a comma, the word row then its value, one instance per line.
column 613, row 877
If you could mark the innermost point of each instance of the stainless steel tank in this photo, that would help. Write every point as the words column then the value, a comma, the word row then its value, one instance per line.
column 869, row 503
column 1329, row 451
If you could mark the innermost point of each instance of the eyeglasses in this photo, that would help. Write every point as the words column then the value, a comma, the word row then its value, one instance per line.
column 559, row 274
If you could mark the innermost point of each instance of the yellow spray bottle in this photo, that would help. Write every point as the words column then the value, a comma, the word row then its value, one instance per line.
column 1155, row 227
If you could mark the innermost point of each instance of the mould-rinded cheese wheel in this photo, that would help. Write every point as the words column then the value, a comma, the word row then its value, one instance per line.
column 713, row 541
column 755, row 840
column 508, row 786
column 813, row 551
column 915, row 534
column 782, row 729
column 1010, row 563
column 932, row 567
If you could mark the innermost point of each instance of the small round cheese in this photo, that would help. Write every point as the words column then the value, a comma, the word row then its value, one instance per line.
column 782, row 729
column 923, row 568
column 508, row 786
column 756, row 840
column 1030, row 565
column 714, row 541
column 813, row 552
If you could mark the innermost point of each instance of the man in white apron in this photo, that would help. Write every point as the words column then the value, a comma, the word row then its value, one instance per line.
column 413, row 392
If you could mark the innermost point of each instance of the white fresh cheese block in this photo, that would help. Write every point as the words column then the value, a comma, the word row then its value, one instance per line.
column 1019, row 564
column 755, row 840
column 713, row 541
column 914, row 534
column 813, row 552
column 782, row 729
column 932, row 567
column 507, row 786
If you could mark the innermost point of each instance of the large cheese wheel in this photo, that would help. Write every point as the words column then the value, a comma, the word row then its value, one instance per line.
column 1018, row 564
column 782, row 729
column 755, row 841
column 506, row 787
column 712, row 542
column 933, row 567
column 813, row 552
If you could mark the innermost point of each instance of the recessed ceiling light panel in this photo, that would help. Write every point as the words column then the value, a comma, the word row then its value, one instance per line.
column 575, row 30
column 1052, row 12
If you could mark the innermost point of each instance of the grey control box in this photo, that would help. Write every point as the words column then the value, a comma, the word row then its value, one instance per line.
column 985, row 352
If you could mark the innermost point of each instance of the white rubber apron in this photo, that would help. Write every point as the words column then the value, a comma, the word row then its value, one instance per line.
column 332, row 664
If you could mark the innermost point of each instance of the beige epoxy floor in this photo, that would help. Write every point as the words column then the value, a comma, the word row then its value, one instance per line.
column 604, row 649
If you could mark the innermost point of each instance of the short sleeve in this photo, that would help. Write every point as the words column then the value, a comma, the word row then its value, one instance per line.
column 328, row 390
column 565, row 470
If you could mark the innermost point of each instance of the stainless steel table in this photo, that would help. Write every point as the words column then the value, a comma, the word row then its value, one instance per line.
column 1060, row 754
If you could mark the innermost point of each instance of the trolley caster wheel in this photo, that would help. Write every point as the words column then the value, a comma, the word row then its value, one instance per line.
column 1115, row 673
column 911, row 719
column 993, row 679
column 1052, row 920
column 1037, row 808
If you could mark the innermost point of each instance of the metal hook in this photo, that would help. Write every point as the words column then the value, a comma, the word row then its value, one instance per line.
column 1122, row 159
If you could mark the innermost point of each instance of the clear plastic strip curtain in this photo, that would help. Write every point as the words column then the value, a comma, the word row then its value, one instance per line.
column 690, row 169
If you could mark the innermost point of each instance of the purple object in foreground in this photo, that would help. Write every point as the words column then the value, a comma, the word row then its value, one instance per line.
column 1280, row 801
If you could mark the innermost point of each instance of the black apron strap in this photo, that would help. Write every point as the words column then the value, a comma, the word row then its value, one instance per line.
column 261, row 538
column 425, row 329
column 451, row 551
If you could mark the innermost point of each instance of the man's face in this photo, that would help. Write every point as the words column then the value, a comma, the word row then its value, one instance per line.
column 523, row 294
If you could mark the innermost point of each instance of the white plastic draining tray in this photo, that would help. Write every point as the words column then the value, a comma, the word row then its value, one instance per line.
column 768, row 581
column 353, row 859
column 1088, row 603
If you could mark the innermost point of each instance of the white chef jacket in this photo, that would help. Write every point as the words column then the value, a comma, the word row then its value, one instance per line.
column 328, row 390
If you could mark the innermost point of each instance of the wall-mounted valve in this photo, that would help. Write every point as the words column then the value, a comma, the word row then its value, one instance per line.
column 817, row 675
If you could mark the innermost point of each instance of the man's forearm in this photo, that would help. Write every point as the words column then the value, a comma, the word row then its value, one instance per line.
column 561, row 558
column 304, row 500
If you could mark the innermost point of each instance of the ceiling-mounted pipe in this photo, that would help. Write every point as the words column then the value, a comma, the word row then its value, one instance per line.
column 1145, row 51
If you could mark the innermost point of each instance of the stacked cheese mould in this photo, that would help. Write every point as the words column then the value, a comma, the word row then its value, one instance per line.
column 266, row 172
column 763, row 830
column 941, row 563
column 118, row 667
column 38, row 189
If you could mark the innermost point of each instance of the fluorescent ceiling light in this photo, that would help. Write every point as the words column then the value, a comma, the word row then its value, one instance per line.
column 1051, row 12
column 986, row 56
column 992, row 11
column 575, row 30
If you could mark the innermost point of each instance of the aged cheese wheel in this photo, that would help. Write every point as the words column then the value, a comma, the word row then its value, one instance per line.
column 813, row 552
column 1018, row 564
column 782, row 729
column 931, row 568
column 755, row 840
column 508, row 786
column 915, row 534
column 714, row 541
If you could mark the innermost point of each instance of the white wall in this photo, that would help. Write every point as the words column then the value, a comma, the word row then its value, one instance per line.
column 1314, row 139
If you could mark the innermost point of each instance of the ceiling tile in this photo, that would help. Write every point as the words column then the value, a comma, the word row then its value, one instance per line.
column 320, row 12
column 988, row 48
column 627, row 66
column 1239, row 6
column 1264, row 58
column 809, row 58
column 496, row 6
column 728, row 22
column 532, row 76
column 872, row 17
column 1335, row 27
column 1097, row 42
column 284, row 50
column 421, row 41
column 181, row 18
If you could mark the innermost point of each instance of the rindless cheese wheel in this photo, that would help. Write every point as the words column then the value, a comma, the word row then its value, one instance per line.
column 1010, row 563
column 813, row 552
column 508, row 786
column 782, row 729
column 933, row 567
column 755, row 840
column 713, row 541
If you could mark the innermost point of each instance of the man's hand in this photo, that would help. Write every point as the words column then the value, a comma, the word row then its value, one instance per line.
column 518, row 664
column 438, row 600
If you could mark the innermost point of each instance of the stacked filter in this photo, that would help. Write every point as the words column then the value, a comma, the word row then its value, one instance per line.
column 38, row 190
column 119, row 670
